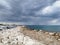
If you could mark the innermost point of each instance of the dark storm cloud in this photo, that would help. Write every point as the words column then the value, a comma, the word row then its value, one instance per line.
column 30, row 11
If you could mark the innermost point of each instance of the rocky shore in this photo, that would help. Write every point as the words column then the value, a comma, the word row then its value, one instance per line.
column 20, row 35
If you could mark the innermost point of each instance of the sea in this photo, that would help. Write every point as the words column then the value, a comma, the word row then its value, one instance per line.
column 51, row 28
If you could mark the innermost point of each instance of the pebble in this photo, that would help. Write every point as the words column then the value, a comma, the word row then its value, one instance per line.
column 59, row 39
column 40, row 30
column 47, row 33
column 57, row 34
column 51, row 33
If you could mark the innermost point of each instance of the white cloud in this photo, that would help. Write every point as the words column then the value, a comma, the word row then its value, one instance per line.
column 54, row 8
column 56, row 4
column 5, row 4
column 47, row 10
column 54, row 21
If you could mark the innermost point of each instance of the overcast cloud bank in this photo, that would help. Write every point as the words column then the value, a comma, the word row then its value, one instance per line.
column 38, row 12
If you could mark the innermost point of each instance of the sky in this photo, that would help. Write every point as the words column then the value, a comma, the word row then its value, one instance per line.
column 30, row 12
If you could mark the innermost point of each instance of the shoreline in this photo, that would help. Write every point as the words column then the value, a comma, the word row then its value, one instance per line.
column 21, row 35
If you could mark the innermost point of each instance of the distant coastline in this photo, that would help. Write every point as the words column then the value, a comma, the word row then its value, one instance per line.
column 52, row 28
column 49, row 28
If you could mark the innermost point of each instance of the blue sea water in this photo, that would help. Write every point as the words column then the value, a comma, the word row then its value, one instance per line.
column 52, row 28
